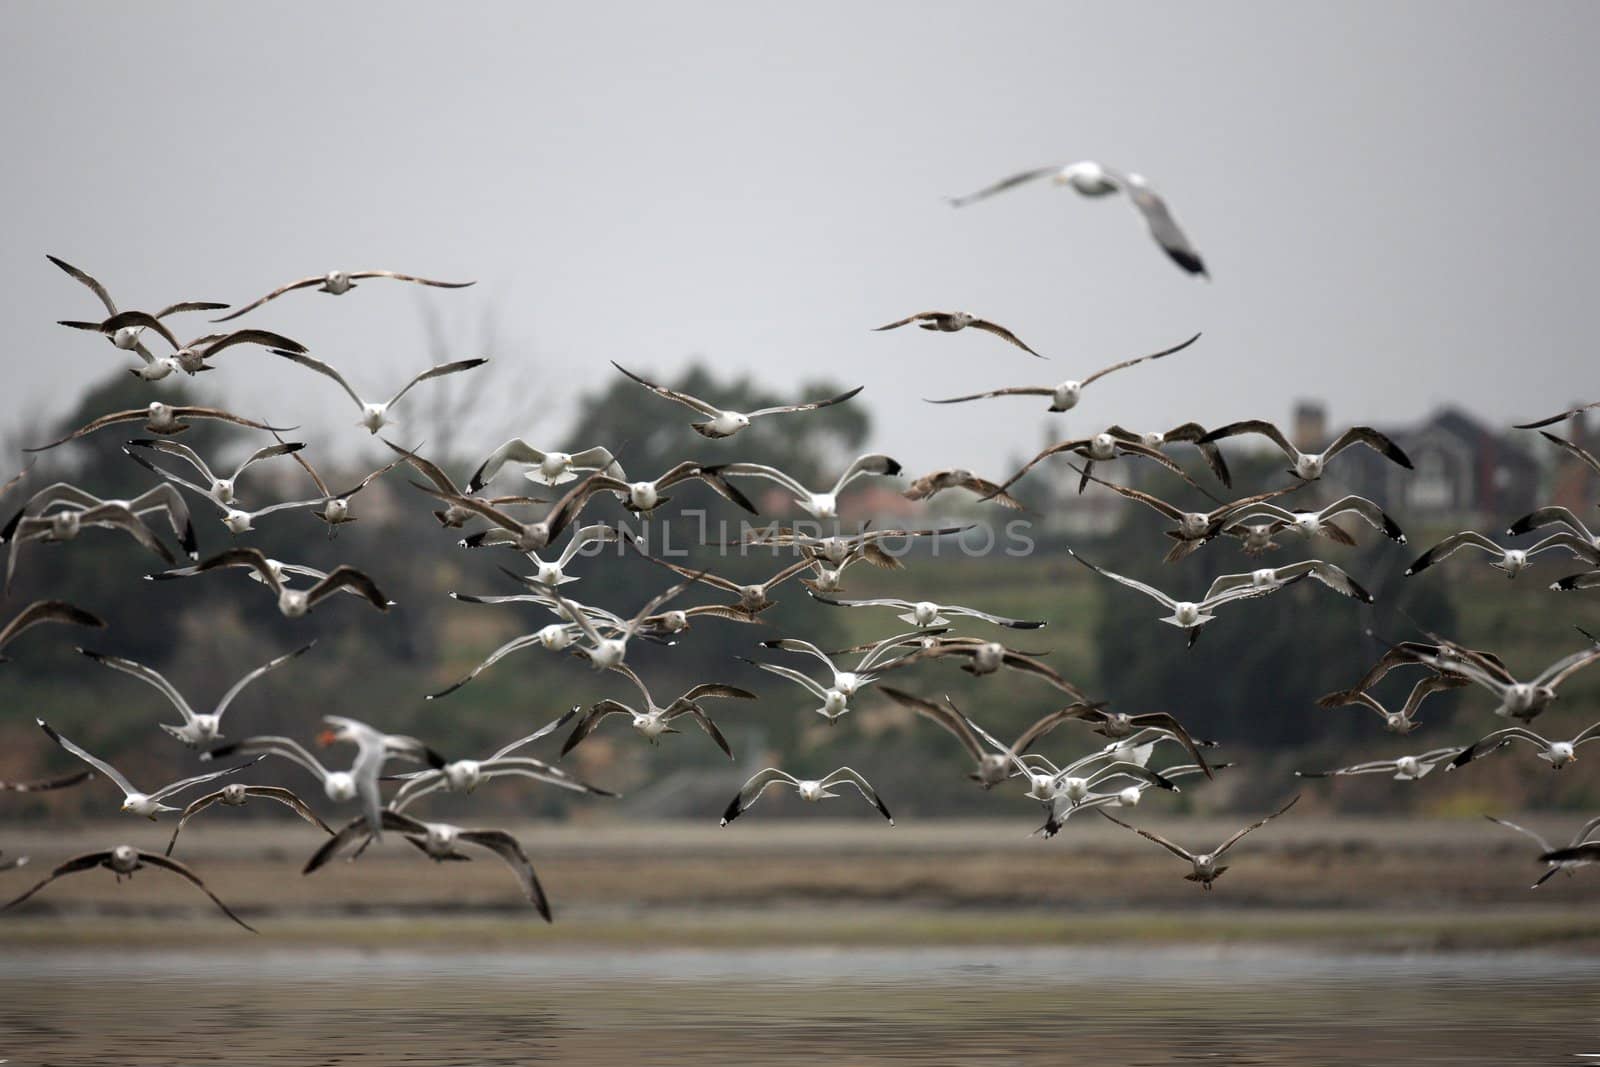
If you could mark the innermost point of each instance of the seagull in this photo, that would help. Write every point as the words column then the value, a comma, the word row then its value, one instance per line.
column 954, row 322
column 1064, row 396
column 190, row 357
column 1308, row 466
column 643, row 497
column 196, row 728
column 1187, row 615
column 375, row 416
column 1410, row 653
column 134, row 801
column 725, row 423
column 824, row 505
column 1270, row 579
column 337, row 283
column 754, row 598
column 936, row 482
column 607, row 652
column 556, row 637
column 438, row 842
column 1553, row 419
column 836, row 695
column 1102, row 448
column 1318, row 523
column 283, row 572
column 986, row 657
column 1205, row 866
column 507, row 530
column 336, row 506
column 1128, row 796
column 46, row 611
column 123, row 861
column 924, row 614
column 294, row 603
column 235, row 795
column 1185, row 433
column 1092, row 179
column 1059, row 788
column 159, row 418
column 1397, row 722
column 656, row 719
column 1511, row 560
column 465, row 775
column 994, row 767
column 1120, row 726
column 218, row 490
column 812, row 789
column 1523, row 701
column 161, row 498
column 238, row 520
column 841, row 549
column 45, row 785
column 1556, row 753
column 1576, row 451
column 549, row 468
column 453, row 516
column 554, row 572
column 1401, row 769
column 65, row 525
column 1546, row 849
column 127, row 338
column 373, row 746
column 1553, row 516
column 1195, row 528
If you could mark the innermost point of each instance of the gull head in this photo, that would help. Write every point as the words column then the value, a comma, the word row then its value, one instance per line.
column 1130, row 797
column 1102, row 446
column 1407, row 767
column 1041, row 786
column 139, row 804
column 1397, row 723
column 925, row 613
column 810, row 790
column 608, row 653
column 234, row 795
column 1087, row 178
column 728, row 423
column 1513, row 562
column 156, row 369
column 556, row 636
column 1560, row 754
column 1193, row 524
column 752, row 596
column 1308, row 467
column 533, row 537
column 652, row 725
column 335, row 509
column 549, row 574
column 441, row 839
column 847, row 683
column 1307, row 523
column 337, row 282
column 675, row 621
column 553, row 469
column 222, row 490
column 64, row 525
column 643, row 495
column 206, row 727
column 835, row 703
column 828, row 579
column 834, row 549
column 189, row 360
column 236, row 521
column 293, row 603
column 463, row 775
column 821, row 506
column 1263, row 578
column 124, row 859
column 993, row 768
column 340, row 786
column 1186, row 613
column 374, row 417
column 988, row 658
column 161, row 416
column 1521, row 696
column 127, row 337
column 1073, row 788
column 1065, row 396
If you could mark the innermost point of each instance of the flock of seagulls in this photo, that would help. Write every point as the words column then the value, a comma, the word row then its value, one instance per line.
column 386, row 776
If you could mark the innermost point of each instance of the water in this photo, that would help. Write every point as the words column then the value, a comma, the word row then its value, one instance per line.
column 985, row 1008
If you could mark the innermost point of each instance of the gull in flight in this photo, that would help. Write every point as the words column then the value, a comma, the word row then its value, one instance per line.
column 161, row 498
column 1556, row 753
column 1410, row 653
column 336, row 506
column 1309, row 466
column 606, row 652
column 1397, row 722
column 1546, row 849
column 134, row 801
column 725, row 423
column 924, row 614
column 1554, row 515
column 375, row 416
column 218, row 490
column 956, row 321
column 656, row 719
column 373, row 749
column 1101, row 448
column 1059, row 788
column 505, row 529
column 452, row 516
column 549, row 468
column 994, row 767
column 123, row 861
column 1195, row 528
column 66, row 524
column 439, row 841
column 986, row 657
column 935, row 482
column 465, row 775
column 41, row 612
column 1188, row 615
column 1513, row 561
column 1128, row 796
column 190, row 357
column 337, row 283
column 1064, row 396
column 1270, row 579
column 127, row 338
column 1206, row 868
column 236, row 795
column 1401, row 768
column 836, row 695
column 1092, row 179
column 1523, row 701
column 812, row 789
column 753, row 598
column 1186, row 433
column 159, row 418
column 643, row 497
column 1309, row 524
column 294, row 603
column 197, row 728
column 554, row 572
column 237, row 519
column 838, row 550
column 824, row 505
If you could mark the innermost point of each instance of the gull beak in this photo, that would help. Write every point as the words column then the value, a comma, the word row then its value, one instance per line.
column 326, row 738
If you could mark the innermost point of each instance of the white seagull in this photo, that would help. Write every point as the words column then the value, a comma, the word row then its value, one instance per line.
column 1206, row 869
column 549, row 468
column 924, row 614
column 836, row 695
column 159, row 418
column 656, row 719
column 812, row 789
column 727, row 422
column 1319, row 523
column 1397, row 722
column 337, row 283
column 237, row 795
column 823, row 505
column 956, row 321
column 41, row 612
column 1401, row 768
column 217, row 489
column 295, row 603
column 197, row 728
column 1546, row 849
column 1308, row 466
column 1513, row 561
column 375, row 415
column 452, row 516
column 1523, row 701
column 1556, row 753
column 123, row 861
column 994, row 767
column 1064, row 396
column 135, row 801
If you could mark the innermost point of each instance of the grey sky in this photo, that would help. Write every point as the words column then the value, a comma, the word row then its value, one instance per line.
column 1394, row 200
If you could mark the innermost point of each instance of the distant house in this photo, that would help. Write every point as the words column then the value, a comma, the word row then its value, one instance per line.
column 1466, row 472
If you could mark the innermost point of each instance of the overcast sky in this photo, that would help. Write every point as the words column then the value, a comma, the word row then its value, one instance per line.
column 1394, row 199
